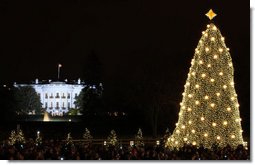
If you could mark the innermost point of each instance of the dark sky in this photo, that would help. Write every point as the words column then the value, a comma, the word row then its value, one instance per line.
column 128, row 36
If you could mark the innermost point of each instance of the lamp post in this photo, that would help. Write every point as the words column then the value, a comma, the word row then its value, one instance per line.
column 59, row 66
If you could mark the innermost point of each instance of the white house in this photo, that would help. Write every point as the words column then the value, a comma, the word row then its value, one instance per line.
column 57, row 97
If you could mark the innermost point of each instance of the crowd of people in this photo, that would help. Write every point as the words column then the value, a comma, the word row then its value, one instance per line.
column 60, row 150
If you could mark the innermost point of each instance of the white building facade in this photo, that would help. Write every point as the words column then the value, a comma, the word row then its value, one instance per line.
column 57, row 97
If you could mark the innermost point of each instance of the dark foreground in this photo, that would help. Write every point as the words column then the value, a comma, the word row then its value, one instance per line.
column 59, row 150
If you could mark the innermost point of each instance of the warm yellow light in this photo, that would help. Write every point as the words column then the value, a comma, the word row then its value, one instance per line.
column 232, row 98
column 209, row 65
column 189, row 109
column 177, row 131
column 218, row 137
column 187, row 83
column 180, row 113
column 214, row 124
column 208, row 26
column 215, row 56
column 228, row 49
column 190, row 121
column 176, row 124
column 241, row 131
column 176, row 142
column 214, row 28
column 212, row 105
column 183, row 107
column 194, row 143
column 200, row 41
column 222, row 38
column 197, row 102
column 212, row 80
column 221, row 50
column 172, row 139
column 233, row 136
column 206, row 97
column 190, row 95
column 202, row 118
column 193, row 131
column 225, row 123
column 197, row 86
column 230, row 64
column 183, row 93
column 232, row 83
column 183, row 127
column 218, row 94
column 185, row 139
column 193, row 73
column 220, row 73
column 200, row 62
column 206, row 35
column 203, row 32
column 206, row 49
column 180, row 103
column 228, row 109
column 237, row 105
column 212, row 39
column 203, row 75
column 224, row 86
column 205, row 134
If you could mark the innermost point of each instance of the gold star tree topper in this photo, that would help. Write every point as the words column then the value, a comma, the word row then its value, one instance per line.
column 211, row 14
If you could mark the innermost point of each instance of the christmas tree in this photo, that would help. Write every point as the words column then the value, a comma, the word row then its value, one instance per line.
column 209, row 112
column 87, row 136
column 139, row 138
column 38, row 139
column 16, row 137
column 69, row 139
column 112, row 139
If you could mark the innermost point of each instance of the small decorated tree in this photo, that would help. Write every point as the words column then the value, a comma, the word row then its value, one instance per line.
column 38, row 139
column 87, row 136
column 69, row 139
column 16, row 137
column 112, row 139
column 139, row 138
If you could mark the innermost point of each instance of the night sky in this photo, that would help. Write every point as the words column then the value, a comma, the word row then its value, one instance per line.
column 130, row 38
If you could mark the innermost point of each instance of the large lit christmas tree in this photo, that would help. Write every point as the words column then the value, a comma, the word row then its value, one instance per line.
column 209, row 111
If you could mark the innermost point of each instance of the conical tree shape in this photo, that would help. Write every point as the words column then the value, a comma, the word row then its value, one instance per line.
column 209, row 112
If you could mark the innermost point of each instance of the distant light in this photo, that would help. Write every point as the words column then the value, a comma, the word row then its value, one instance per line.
column 70, row 120
column 157, row 142
column 104, row 143
column 4, row 86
